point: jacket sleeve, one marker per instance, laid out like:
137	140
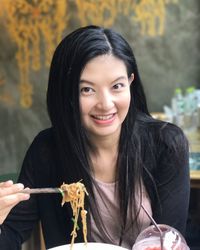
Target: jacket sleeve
18	225
172	180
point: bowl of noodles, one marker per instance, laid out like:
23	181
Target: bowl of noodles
88	246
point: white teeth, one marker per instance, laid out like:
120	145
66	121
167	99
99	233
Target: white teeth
103	117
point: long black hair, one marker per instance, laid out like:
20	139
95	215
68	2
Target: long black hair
69	60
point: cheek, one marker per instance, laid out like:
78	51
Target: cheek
125	102
85	106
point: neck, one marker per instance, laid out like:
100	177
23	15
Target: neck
105	143
104	159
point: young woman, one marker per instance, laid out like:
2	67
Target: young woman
102	134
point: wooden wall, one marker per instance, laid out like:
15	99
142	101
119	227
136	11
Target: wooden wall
163	33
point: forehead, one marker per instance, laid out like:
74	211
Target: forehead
104	66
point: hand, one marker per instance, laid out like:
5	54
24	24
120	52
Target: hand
10	197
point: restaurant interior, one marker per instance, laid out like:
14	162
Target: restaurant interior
165	37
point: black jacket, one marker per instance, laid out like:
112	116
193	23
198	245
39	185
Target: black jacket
40	170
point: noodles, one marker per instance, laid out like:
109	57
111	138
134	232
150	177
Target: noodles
75	194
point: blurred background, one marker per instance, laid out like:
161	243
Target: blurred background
165	37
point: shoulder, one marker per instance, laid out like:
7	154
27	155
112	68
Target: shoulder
160	131
45	136
41	160
173	138
42	144
161	139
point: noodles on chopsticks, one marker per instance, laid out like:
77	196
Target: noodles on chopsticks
75	194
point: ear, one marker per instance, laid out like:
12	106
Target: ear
131	78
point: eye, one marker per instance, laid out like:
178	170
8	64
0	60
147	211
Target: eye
118	86
86	90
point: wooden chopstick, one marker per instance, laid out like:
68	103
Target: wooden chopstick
41	190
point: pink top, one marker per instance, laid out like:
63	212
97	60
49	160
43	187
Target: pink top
109	212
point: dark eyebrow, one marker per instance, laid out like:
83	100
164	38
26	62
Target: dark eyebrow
85	81
117	79
120	78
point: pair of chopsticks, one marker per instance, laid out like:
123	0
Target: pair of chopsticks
41	191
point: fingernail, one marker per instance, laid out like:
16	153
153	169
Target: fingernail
9	182
26	196
20	185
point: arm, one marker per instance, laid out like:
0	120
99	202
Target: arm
172	179
18	225
10	197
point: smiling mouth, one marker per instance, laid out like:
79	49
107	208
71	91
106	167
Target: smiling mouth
103	117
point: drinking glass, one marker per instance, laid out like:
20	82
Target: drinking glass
152	239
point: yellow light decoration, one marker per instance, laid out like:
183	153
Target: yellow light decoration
96	12
36	26
149	14
5	97
31	24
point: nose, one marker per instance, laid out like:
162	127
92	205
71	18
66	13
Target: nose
105	101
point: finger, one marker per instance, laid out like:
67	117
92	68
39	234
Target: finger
8	203
4	190
6	183
5	211
12	200
4	214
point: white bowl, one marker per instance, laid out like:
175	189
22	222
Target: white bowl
89	246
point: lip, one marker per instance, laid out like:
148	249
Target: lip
104	119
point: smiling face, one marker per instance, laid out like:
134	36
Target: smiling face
104	95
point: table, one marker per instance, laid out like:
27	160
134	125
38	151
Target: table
195	178
194	144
